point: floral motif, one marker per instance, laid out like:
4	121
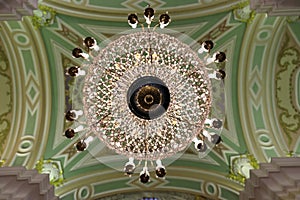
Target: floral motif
53	168
44	16
243	13
241	166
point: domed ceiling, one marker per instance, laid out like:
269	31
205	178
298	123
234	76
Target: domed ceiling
262	97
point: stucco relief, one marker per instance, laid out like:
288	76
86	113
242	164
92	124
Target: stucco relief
286	95
6	98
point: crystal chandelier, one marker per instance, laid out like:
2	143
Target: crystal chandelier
146	95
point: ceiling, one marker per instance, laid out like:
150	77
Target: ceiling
262	96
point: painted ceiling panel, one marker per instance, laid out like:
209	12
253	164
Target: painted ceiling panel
261	87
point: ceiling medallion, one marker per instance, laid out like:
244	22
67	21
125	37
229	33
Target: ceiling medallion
147	95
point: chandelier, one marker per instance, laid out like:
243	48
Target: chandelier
147	95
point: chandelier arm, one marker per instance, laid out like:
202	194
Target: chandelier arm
155	27
143	28
139	164
201	136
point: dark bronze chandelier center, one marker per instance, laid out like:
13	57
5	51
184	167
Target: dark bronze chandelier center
148	97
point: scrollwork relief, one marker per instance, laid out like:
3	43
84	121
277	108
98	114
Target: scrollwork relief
6	98
289	115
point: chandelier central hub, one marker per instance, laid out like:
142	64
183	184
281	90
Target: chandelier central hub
148	97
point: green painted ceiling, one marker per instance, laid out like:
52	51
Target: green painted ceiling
262	95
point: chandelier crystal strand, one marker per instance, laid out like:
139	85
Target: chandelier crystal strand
113	71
